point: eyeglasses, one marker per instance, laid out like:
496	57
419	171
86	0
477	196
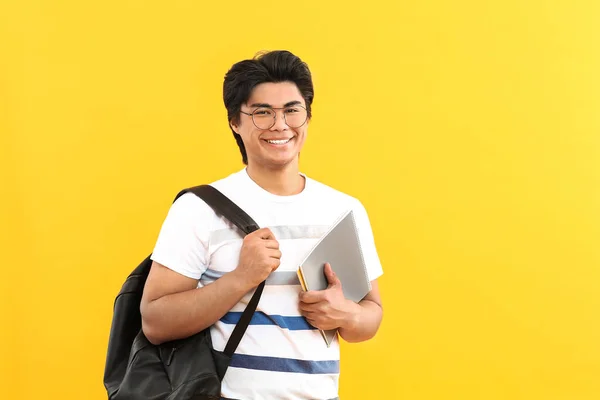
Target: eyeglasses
265	117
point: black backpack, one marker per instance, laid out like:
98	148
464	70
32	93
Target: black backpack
183	369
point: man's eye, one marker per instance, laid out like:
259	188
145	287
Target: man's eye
291	110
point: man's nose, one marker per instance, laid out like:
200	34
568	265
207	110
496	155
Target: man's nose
280	124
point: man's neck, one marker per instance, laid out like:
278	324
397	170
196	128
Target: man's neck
285	181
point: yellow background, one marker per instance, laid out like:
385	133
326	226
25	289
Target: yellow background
469	129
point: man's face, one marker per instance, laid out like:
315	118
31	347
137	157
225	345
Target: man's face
276	146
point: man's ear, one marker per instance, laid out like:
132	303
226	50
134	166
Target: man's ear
234	126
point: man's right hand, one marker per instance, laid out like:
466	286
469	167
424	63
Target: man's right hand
260	255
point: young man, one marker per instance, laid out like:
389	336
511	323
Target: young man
204	271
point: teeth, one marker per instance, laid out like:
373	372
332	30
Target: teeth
278	141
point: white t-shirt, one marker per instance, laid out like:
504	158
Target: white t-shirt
280	356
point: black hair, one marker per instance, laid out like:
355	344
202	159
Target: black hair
273	66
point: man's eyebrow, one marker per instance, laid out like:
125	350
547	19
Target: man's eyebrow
292	103
260	105
288	104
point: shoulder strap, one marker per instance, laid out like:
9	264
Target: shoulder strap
223	206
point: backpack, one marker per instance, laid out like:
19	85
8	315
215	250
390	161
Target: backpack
188	368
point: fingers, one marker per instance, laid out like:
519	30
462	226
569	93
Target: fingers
275	254
309	314
331	276
314	319
276	264
266	236
312	296
311	308
265	233
272	244
275	257
311	321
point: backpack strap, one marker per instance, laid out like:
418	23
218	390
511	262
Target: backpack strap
223	206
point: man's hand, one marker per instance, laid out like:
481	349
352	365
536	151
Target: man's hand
329	309
260	255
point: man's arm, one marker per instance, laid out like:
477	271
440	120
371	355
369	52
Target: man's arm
329	309
173	308
363	323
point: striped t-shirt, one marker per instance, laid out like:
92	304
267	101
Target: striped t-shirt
280	356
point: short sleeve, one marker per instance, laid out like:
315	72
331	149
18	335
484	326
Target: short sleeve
182	243
367	241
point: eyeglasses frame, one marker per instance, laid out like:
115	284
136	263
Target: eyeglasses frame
275	116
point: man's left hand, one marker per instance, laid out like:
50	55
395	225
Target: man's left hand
328	309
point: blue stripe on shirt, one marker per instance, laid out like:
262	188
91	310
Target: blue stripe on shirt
260	318
285	364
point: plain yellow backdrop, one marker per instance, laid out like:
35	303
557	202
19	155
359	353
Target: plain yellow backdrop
468	128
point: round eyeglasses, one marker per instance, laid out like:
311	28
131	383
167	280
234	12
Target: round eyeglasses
264	117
